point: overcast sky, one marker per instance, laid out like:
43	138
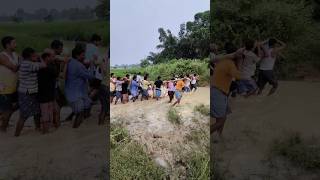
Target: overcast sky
10	6
135	23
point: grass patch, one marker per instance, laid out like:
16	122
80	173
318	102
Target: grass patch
202	109
174	116
39	35
128	159
304	153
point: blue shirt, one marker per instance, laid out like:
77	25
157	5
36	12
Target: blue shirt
76	83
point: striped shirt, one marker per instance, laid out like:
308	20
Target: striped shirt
28	79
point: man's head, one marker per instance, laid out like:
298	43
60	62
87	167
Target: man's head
249	44
96	39
47	57
29	54
9	43
134	77
127	76
159	77
57	46
118	78
78	53
112	74
272	42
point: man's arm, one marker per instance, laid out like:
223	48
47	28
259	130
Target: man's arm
282	46
83	72
5	62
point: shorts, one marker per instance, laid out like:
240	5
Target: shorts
245	86
218	103
118	94
266	76
171	94
80	105
145	93
178	95
187	89
113	93
29	105
158	93
7	101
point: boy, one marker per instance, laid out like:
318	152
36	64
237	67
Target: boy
194	80
171	89
178	93
28	89
145	86
119	83
266	74
225	71
47	81
187	81
124	92
112	87
158	85
247	67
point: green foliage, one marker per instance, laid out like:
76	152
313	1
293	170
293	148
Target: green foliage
174	116
301	152
293	22
40	35
128	159
202	109
191	43
174	67
144	63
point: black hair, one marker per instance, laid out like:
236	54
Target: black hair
188	75
95	37
27	52
145	77
159	77
195	74
272	42
111	74
134	77
56	44
45	55
118	78
230	48
249	44
6	40
127	75
77	51
181	76
139	73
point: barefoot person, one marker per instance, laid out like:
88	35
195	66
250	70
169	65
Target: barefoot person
113	80
224	72
171	89
8	80
47	81
76	86
194	80
178	92
119	83
134	88
158	85
28	89
247	67
266	74
125	91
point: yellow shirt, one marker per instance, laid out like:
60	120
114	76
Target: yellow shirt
145	84
8	78
225	71
180	85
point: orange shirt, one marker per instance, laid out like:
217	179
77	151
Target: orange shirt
225	71
179	85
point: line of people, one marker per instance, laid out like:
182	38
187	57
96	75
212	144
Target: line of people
235	73
32	83
131	87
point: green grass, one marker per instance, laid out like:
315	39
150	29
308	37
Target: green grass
202	109
302	152
174	116
128	159
174	67
39	35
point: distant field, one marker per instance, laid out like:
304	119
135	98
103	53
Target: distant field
38	35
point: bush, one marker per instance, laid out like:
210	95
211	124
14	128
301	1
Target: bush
202	109
174	67
174	116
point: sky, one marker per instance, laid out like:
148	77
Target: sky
10	6
135	23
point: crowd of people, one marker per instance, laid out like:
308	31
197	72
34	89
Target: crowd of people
130	87
235	73
40	84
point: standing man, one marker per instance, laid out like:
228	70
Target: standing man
8	80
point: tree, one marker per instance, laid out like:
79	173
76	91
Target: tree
103	9
145	63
